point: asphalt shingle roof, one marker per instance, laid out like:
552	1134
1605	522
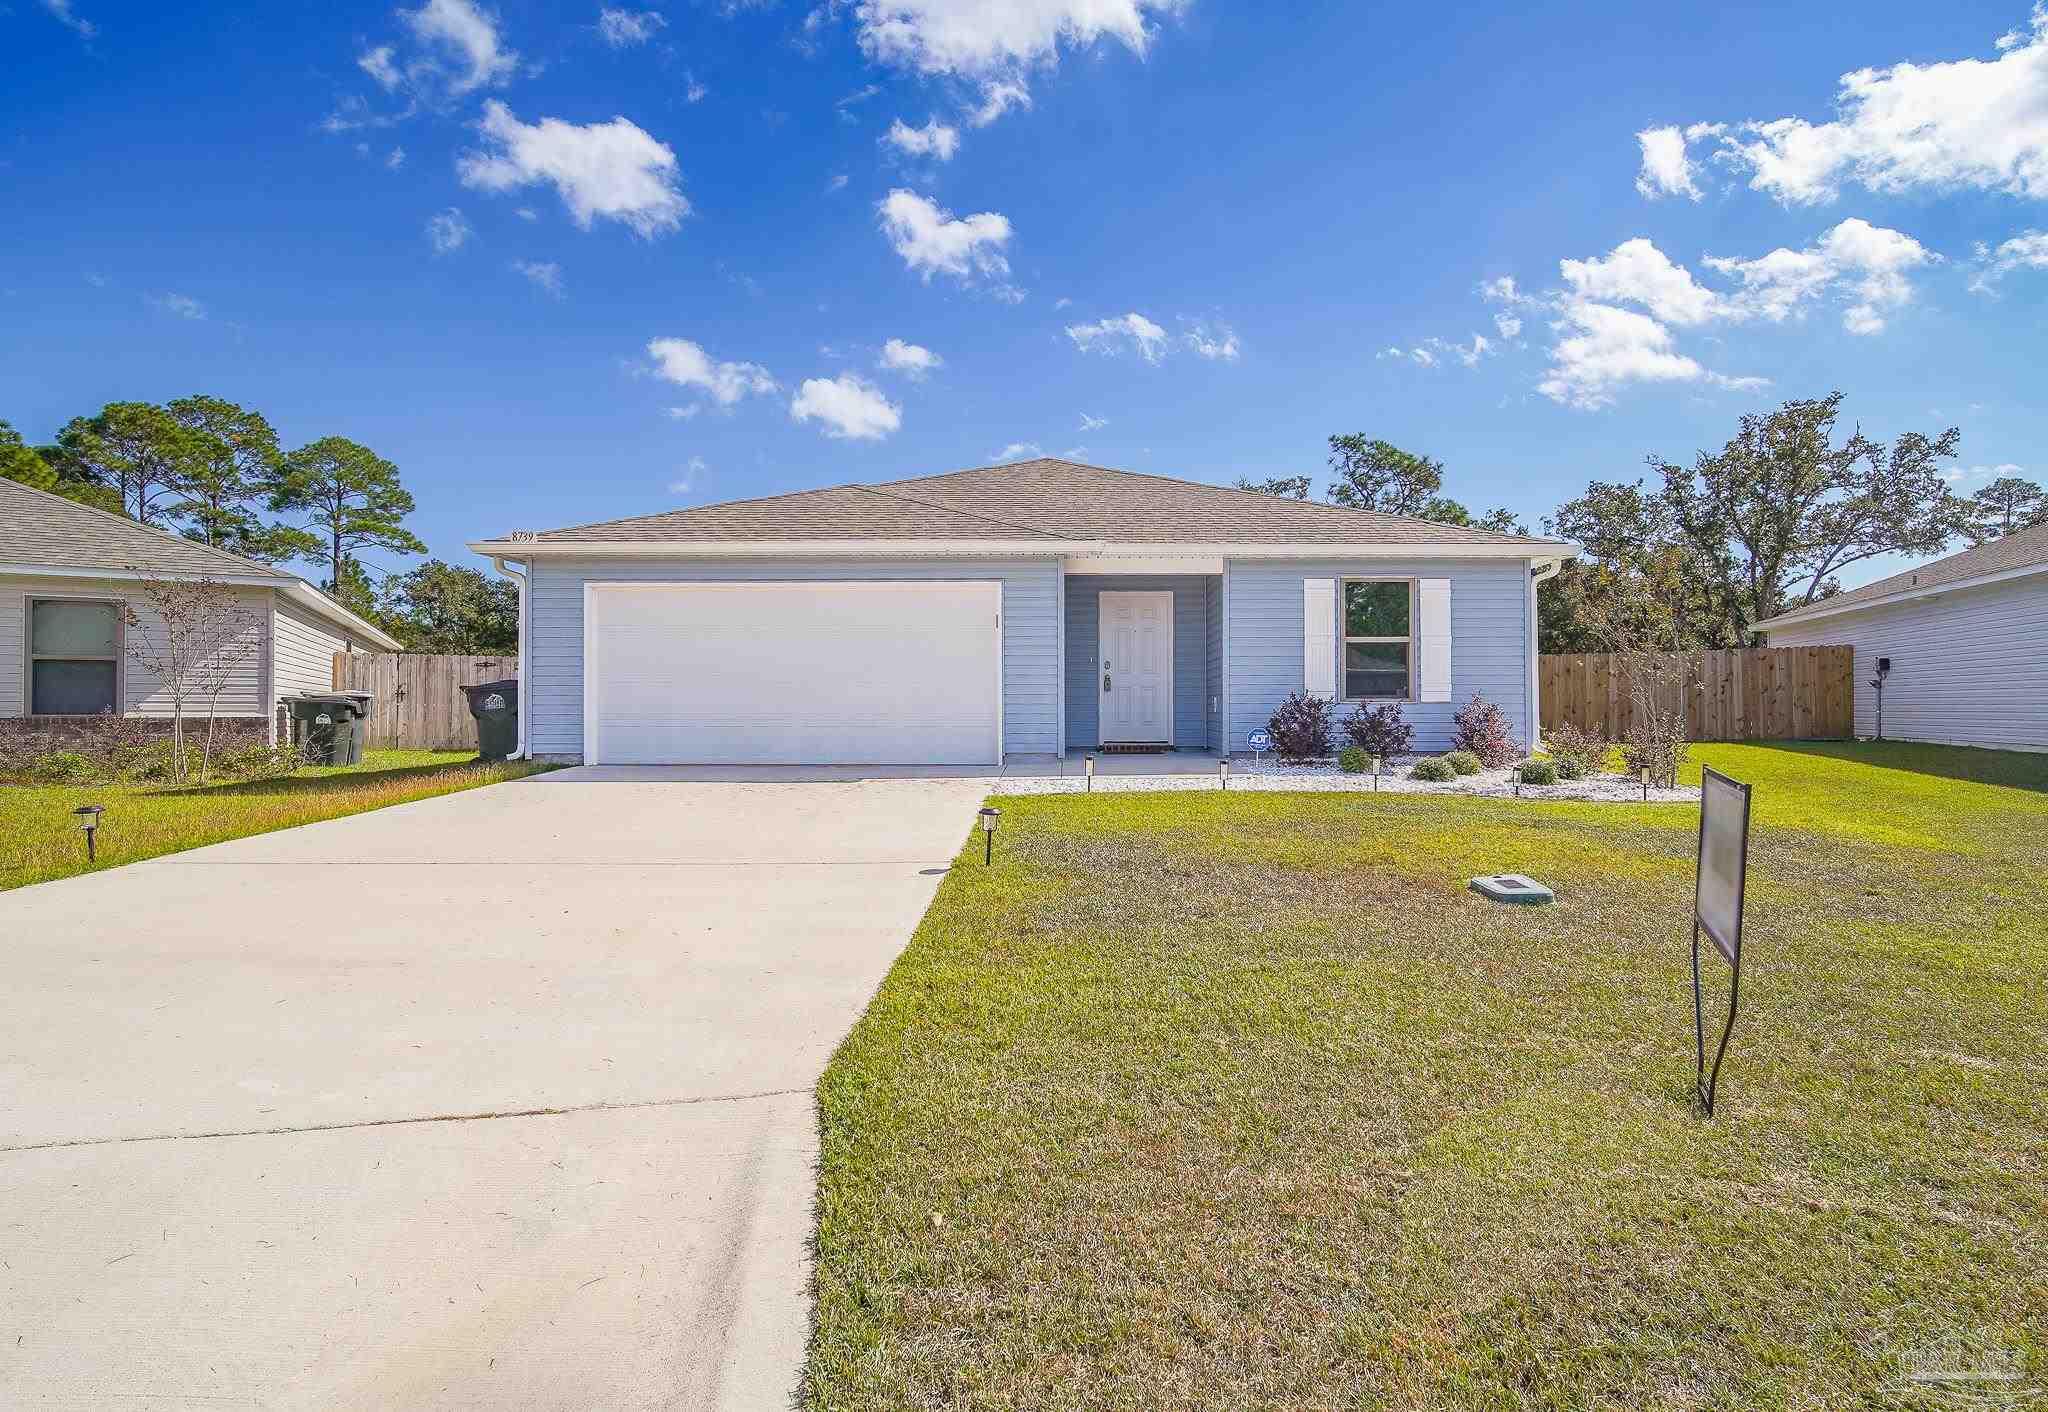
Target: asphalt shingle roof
2020	550
1045	499
37	527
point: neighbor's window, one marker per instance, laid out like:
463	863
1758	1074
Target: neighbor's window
1379	650
73	658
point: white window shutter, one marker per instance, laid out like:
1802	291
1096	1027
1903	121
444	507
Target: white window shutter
1434	640
1319	637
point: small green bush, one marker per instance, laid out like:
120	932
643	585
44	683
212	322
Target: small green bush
1464	762
1585	751
1568	769
1539	772
1351	760
64	767
1435	769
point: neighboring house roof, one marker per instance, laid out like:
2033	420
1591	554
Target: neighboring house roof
46	534
2022	552
1045	502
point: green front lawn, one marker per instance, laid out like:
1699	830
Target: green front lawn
39	838
1242	1101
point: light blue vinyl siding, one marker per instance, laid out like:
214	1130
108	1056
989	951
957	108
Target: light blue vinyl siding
555	655
1489	639
1191	673
1214	637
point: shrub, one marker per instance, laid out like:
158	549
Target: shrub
1539	772
1582	752
64	767
1481	728
1301	727
259	762
1435	769
1381	731
1351	760
1463	761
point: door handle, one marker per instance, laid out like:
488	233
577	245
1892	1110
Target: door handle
1105	683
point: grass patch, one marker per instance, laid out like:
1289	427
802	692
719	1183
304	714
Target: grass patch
1241	1101
41	839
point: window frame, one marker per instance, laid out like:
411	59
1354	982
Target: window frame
30	656
1345	639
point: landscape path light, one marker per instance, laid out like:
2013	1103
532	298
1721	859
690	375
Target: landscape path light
1223	771
988	834
88	816
1646	784
1089	760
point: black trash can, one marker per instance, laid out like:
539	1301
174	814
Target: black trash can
495	704
327	726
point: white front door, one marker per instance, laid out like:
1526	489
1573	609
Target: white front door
1136	636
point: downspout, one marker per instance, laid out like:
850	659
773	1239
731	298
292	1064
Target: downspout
1537	575
525	686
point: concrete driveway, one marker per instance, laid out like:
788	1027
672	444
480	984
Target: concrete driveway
502	1099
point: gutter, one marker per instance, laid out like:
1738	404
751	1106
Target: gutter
519	749
1537	575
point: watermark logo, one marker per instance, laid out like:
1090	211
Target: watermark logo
1952	1373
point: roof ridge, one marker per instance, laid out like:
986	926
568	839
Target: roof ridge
971	514
1481	535
130	522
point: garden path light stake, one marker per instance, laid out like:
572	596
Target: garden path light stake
988	835
88	816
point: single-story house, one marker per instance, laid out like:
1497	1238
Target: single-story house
68	575
1034	608
1962	644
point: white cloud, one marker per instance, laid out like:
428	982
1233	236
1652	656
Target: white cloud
1868	263
838	182
932	240
858	96
379	64
1089	423
1112	334
1603	347
623	28
911	359
1507	325
1016	451
1666	170
1964	124
998	96
1213	343
686	364
2025	251
76	23
1432	352
846	407
183	305
614	170
689	477
396	159
683	414
448	231
544	273
466	33
1638	272
693	91
934	139
978	39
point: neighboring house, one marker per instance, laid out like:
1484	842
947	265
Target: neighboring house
1966	637
67	571
1026	609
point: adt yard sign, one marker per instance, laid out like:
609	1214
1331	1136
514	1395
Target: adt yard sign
1259	741
1717	909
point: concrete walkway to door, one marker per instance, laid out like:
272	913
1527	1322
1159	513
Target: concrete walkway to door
496	1099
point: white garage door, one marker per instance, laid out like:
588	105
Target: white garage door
793	673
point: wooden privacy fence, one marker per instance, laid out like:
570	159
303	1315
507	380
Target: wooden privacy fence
419	703
1749	693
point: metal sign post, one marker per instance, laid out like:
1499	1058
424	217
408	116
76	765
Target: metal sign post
1260	742
1717	911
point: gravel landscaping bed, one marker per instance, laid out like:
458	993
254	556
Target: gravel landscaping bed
1394	778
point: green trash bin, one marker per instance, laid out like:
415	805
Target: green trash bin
327	726
495	704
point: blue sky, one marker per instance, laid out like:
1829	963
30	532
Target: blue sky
564	265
